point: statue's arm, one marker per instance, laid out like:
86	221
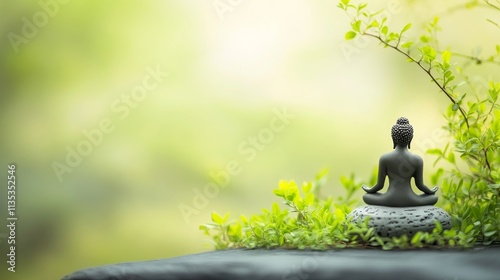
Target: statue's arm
382	172
419	178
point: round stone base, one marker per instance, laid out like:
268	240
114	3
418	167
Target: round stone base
396	221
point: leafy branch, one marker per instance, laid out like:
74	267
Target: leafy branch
427	67
365	24
472	196
478	60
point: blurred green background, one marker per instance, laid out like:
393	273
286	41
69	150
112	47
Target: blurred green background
67	68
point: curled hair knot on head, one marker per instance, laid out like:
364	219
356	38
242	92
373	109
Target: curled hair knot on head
402	133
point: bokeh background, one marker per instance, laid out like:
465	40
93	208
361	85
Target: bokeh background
231	66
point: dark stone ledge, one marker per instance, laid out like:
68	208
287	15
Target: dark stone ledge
478	263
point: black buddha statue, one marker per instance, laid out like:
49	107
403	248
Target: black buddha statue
400	166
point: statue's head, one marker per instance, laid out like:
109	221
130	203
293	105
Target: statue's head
402	133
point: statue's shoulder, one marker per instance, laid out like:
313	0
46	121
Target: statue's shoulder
416	158
387	156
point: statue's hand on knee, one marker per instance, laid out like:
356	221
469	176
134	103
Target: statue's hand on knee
368	189
434	190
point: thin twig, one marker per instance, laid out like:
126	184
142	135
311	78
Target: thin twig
487	161
428	71
476	59
492	5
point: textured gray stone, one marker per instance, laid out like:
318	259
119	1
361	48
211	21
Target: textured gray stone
353	264
396	221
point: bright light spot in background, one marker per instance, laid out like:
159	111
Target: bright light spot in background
258	39
264	51
252	47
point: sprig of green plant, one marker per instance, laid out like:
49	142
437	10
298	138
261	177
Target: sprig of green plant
478	60
307	222
316	223
436	65
471	194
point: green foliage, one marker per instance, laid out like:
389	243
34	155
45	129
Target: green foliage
310	221
306	222
471	183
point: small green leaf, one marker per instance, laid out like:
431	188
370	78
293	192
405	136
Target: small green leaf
356	25
216	218
408	26
373	24
494	186
307	187
203	228
276	209
339	214
362	6
226	217
455	107
309	199
283	185
451	158
446	57
299	203
292	192
436	151
322	175
407	45
435	21
465	190
393	36
234	230
489	233
429	53
384	30
469	228
244	219
438	228
350	35
279	192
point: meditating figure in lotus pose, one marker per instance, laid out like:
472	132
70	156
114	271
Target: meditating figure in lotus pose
400	166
